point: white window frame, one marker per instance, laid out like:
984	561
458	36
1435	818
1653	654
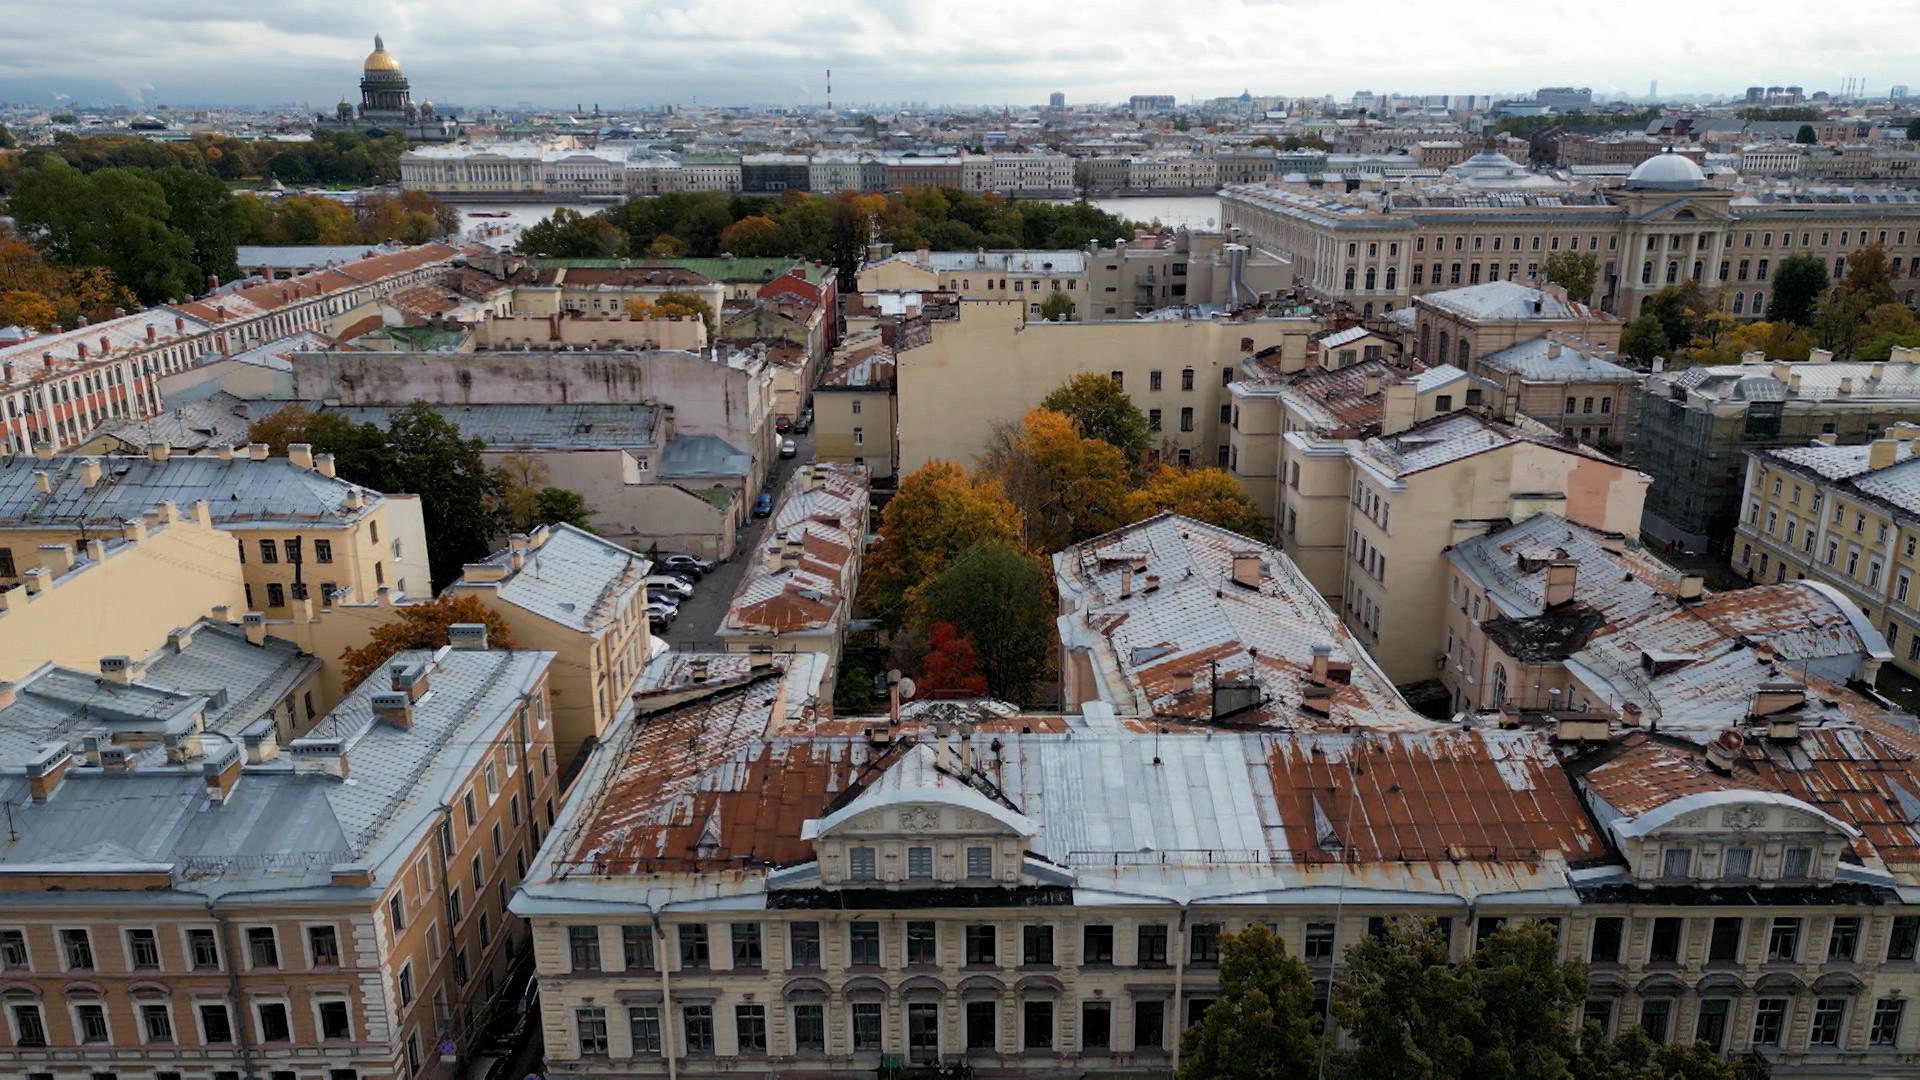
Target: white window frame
317	1000
73	1018
306	942
140	1007
246	936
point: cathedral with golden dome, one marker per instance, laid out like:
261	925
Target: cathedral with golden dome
386	105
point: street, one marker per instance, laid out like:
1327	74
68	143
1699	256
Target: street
700	614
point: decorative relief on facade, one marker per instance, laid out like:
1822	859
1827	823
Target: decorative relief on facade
919	819
1742	817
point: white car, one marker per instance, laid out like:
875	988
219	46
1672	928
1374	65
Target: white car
669	583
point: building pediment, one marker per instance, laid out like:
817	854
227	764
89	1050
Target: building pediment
920	814
1760	814
1692	209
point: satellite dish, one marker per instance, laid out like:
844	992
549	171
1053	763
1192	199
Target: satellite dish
893	676
906	689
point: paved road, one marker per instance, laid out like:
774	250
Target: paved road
700	614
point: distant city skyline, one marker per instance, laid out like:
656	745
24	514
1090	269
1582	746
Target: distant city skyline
623	53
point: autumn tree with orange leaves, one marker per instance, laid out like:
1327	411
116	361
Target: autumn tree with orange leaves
422	626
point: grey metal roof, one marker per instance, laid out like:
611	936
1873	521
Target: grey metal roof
573	578
702	456
205	423
302	256
1503	300
1544	360
216	659
561	427
241	493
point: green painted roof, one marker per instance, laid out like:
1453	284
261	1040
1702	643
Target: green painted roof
715	269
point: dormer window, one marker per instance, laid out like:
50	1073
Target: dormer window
1798	861
1678	863
920	862
1738	864
860	864
979	862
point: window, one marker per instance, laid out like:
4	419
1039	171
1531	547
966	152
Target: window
274	1024
697	1022
215	1027
334	1020
1783	942
143	949
1039	1025
1664	947
1711	1026
1797	862
269	551
860	864
859	437
1153	381
1152	944
13	950
1119	378
263	949
405	981
1828	1015
981	945
1678	862
78	950
1153	419
583	947
803	944
920	862
1203	943
91	1021
323	551
1887	1013
156	1024
643	1022
1605	947
1844	939
863	944
866	1025
636	947
1096	1025
1903	940
203	950
1598	1011
276	594
1186	379
396	914
1096	945
750	1028
29	1029
1036	944
1186	419
1654	1014
1723	945
1319	942
922	942
982	1017
1149	1024
693	945
1769	1021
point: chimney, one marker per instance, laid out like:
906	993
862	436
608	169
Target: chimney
395	709
1793	383
132	530
301	455
1126	582
117	670
1553	349
1776	697
105	347
257	451
1322	655
1630	714
1182	681
114	757
6	692
1880	452
355	500
96	551
44	451
42	483
1846	384
222	771
1246	569
45	769
1370	383
323	464
1400	411
56	558
262	741
224	453
158	451
82	347
35	578
482	573
1722	751
255	625
1561	575
89	473
467	635
408	679
179	638
179	324
1820	356
151	333
1691	587
323	757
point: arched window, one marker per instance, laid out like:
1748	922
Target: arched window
1463	354
1646	273
1393	272
1426	339
1738	299
1366	312
1371	272
1349	279
1445	342
1673	273
1757	307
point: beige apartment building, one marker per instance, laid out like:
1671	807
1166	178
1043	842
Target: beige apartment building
1458	326
986	365
1371	475
1567	383
1015	278
1845	516
582	598
301	530
1175	267
326	907
854	420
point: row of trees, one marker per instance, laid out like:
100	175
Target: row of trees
1855	318
831	229
331	157
969	549
159	234
1410	1012
465	502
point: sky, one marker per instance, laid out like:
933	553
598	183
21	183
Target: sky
989	52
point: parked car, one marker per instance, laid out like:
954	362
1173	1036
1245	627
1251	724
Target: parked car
782	424
763	505
510	1027
804	422
680	560
788	448
659	622
663	598
672	583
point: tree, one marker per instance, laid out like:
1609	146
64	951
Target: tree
1797	284
1683	311
1805	135
1066	486
1913	129
1868	275
422	626
1261	1026
34	292
114	218
459	495
1101	410
201	209
1633	1056
1839	320
937	513
1574	271
6	138
666	246
558	506
1002	600
1776	340
1887	325
1057	307
281	428
754	236
567	234
523	475
1204	494
951	664
1643	339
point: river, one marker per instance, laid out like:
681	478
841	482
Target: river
1193	211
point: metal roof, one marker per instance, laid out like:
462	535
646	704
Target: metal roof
569	576
701	456
241	493
1548	359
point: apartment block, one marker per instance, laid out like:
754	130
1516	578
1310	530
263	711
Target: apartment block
854	406
1567	383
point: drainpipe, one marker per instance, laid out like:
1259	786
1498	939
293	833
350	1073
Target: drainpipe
1179	981
666	998
233	987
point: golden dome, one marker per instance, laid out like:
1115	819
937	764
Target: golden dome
380	59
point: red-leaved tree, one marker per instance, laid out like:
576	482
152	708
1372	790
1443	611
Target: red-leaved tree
952	665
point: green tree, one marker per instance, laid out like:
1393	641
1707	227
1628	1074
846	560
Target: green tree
1100	409
1643	339
937	513
1574	271
1261	1026
201	208
1805	136
1683	311
558	506
1797	284
460	496
115	218
1057	307
1868	275
567	234
6	138
1003	601
1913	129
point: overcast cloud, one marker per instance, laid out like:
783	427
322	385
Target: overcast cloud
623	52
